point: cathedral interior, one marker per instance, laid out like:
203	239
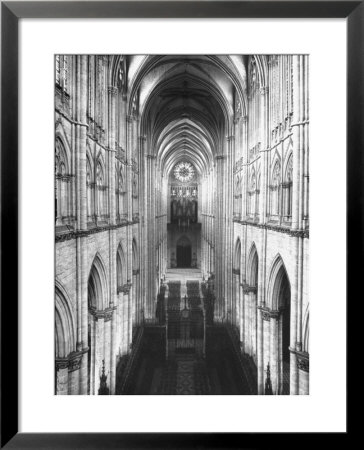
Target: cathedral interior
181	224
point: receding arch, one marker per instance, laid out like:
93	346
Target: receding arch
279	285
252	266
279	300
306	331
135	253
97	285
64	324
121	267
237	254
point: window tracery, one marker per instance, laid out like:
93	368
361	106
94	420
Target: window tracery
62	184
287	186
275	191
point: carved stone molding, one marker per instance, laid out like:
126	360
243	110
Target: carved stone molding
268	313
247	288
85	233
303	363
236	271
279	229
108	314
125	289
62	363
75	361
112	90
135	271
238	165
220	157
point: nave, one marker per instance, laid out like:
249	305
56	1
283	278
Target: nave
185	355
182	224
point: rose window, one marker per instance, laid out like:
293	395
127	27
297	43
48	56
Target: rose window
184	172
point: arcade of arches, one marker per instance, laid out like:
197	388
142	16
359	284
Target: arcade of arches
182	224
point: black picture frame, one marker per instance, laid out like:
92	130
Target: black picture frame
11	12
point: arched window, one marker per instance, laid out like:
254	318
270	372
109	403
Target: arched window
251	195
90	191
287	186
120	192
257	197
100	190
237	198
275	191
61	185
135	196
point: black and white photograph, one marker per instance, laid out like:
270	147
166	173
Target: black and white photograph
182	220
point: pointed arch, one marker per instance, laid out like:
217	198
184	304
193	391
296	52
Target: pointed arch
279	286
121	267
275	187
252	186
62	141
252	266
62	183
288	186
237	255
135	255
262	68
97	285
65	331
306	331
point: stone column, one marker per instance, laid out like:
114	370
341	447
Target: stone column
99	348
244	120
108	354
151	256
260	353
304	372
264	178
81	217
297	125
274	351
228	222
61	376
266	343
220	250
112	92
74	373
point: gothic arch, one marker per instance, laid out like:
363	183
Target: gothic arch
121	267
62	138
262	68
97	285
62	157
65	341
306	331
237	255
278	285
100	162
276	165
252	266
135	255
288	165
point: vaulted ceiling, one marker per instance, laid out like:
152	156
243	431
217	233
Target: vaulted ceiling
186	104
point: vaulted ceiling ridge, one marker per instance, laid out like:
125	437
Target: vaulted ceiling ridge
211	87
182	132
192	114
186	154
